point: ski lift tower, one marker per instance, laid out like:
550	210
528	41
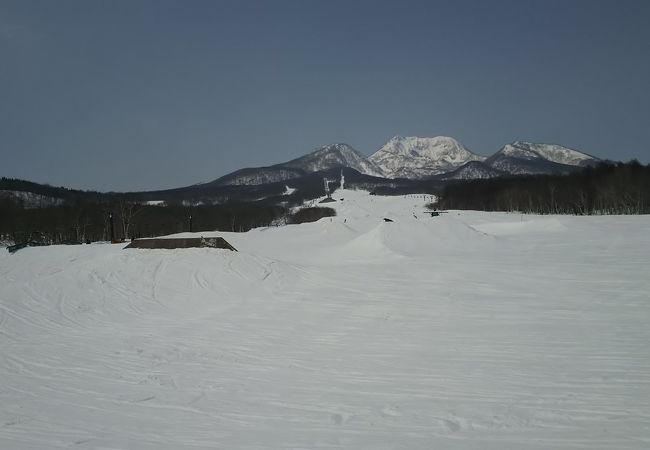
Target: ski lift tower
328	192
327	182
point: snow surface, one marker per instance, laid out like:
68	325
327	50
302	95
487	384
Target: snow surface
288	190
464	331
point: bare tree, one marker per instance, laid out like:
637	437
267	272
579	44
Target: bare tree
128	210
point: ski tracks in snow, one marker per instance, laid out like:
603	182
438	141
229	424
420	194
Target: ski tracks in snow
344	333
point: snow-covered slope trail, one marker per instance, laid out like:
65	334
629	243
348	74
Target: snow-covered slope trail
465	331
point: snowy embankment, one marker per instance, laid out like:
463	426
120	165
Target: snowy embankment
465	331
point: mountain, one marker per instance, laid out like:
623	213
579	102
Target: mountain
258	175
529	158
335	155
472	170
552	152
323	158
415	157
403	164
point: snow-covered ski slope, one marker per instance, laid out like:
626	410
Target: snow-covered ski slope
465	331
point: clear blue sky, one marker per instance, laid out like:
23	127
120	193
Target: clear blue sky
133	95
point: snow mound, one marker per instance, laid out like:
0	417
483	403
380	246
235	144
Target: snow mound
523	226
414	238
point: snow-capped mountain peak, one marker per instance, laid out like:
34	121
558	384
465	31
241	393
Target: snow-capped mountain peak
421	157
335	155
323	158
522	157
417	157
552	152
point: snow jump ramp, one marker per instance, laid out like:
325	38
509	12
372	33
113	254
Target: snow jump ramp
172	243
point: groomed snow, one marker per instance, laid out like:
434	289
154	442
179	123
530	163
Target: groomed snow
464	331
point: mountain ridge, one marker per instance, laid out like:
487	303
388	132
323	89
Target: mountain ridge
521	157
415	160
420	158
322	158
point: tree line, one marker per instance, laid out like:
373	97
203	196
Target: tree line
91	222
607	188
78	222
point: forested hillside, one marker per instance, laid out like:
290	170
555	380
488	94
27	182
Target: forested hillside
621	188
